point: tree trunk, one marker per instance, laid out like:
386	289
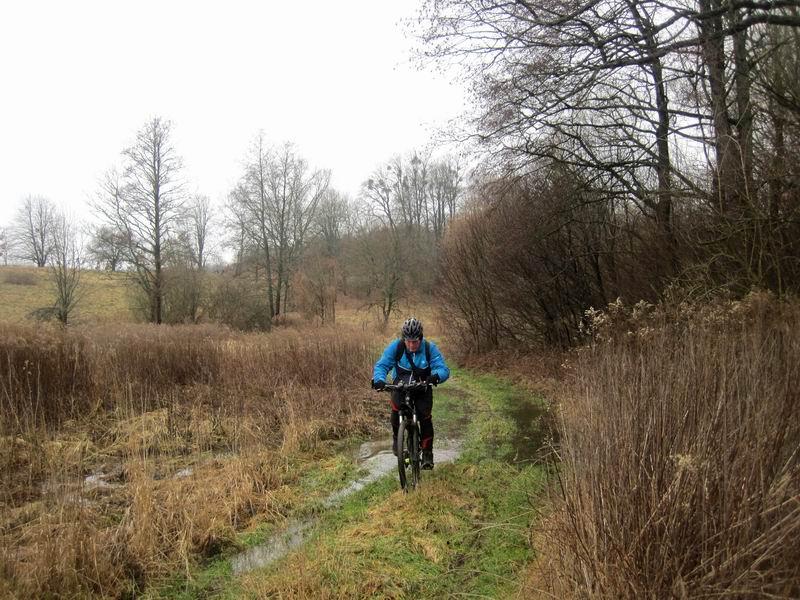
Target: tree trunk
726	181
744	122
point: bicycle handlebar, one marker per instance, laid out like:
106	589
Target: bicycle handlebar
403	387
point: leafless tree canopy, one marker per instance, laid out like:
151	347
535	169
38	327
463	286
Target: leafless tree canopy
635	96
33	230
414	193
66	264
199	223
275	204
144	204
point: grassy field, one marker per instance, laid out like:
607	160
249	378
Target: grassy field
140	458
129	452
106	296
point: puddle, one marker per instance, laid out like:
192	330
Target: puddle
278	546
376	456
377	459
98	480
533	429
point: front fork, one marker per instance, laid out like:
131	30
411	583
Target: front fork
413	424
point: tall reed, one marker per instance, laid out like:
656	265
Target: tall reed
681	454
48	374
145	403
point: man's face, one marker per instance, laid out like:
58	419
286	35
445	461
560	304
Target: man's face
412	345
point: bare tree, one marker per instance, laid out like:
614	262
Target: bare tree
66	264
200	218
628	92
332	220
316	282
279	195
144	205
33	229
445	187
379	192
414	193
107	248
250	204
295	193
381	271
237	230
5	244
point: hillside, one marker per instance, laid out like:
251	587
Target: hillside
24	289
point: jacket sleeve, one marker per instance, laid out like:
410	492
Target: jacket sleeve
438	366
385	364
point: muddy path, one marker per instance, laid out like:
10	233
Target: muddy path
465	530
373	460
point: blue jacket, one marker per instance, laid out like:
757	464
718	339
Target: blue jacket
387	362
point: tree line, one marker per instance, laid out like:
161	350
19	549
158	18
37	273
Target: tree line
634	148
284	240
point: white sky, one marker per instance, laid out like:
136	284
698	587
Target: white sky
79	78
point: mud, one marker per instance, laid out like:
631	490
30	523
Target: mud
533	431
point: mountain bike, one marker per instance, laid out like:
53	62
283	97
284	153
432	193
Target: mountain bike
409	452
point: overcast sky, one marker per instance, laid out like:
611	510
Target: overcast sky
80	78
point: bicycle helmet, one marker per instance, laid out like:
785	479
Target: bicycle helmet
412	329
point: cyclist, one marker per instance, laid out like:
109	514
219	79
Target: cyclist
413	359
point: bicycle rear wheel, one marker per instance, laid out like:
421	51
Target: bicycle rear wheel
402	432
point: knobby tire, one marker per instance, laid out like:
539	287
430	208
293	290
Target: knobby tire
401	462
413	451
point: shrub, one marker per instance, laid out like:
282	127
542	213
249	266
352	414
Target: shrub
240	303
20	278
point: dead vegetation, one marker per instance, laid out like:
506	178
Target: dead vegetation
129	453
680	438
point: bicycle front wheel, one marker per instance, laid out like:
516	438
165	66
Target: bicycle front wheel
402	432
413	451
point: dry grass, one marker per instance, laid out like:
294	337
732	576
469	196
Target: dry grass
17	277
106	295
185	434
48	375
353	312
681	454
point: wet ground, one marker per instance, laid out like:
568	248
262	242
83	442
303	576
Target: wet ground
534	429
376	458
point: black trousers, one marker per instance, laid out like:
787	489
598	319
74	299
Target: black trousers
423	401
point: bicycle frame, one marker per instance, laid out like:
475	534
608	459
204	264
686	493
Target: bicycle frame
408	434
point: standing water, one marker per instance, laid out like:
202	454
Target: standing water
374	456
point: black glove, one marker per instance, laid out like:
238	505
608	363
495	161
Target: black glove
432	379
378	385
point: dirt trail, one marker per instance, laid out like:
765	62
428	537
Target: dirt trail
465	531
